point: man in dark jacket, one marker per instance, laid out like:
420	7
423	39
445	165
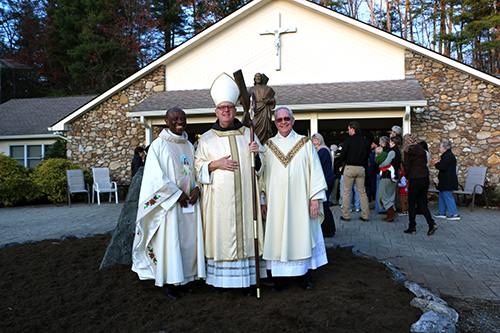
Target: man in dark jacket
417	173
355	152
448	182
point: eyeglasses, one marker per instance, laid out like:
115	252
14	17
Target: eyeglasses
279	120
224	107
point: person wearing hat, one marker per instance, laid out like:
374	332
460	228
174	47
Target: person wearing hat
168	243
223	167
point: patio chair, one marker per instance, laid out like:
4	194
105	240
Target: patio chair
474	184
103	184
76	184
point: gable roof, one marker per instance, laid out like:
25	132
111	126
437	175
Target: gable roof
250	8
32	116
395	93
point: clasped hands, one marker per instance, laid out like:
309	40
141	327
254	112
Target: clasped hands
193	197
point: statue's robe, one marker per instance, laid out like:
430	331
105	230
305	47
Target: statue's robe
168	245
262	119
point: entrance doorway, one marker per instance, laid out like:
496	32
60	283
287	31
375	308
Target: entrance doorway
334	131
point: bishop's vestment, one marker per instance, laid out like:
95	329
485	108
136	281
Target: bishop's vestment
227	208
168	244
292	177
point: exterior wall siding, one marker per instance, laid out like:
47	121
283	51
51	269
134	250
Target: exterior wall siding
460	107
104	137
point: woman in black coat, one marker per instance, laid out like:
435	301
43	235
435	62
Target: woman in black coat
448	182
417	173
328	225
138	160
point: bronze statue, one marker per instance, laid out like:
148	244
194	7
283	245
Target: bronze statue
265	103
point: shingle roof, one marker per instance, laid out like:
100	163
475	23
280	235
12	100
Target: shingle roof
324	93
30	116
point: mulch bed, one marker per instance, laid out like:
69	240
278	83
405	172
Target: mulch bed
56	286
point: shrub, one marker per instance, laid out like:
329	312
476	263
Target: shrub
49	177
56	150
15	186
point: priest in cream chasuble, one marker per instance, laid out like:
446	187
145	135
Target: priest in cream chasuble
294	184
168	245
223	167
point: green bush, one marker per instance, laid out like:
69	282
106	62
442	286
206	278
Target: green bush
56	150
49	177
15	186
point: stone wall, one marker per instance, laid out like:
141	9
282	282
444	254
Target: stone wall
104	137
460	107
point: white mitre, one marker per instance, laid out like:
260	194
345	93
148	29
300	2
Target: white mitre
224	89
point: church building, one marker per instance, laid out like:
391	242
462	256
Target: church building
328	68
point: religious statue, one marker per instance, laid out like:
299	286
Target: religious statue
262	120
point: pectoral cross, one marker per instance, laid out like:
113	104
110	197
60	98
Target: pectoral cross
277	38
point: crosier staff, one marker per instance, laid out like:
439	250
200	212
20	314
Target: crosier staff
246	100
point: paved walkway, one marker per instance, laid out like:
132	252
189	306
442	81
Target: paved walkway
461	259
35	223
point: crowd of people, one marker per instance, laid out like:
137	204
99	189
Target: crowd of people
234	210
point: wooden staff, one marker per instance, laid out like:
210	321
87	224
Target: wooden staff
246	100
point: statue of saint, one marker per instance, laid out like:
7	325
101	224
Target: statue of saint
263	125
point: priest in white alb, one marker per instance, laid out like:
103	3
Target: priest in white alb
168	245
293	187
223	167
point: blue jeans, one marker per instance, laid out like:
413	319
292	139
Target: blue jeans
447	202
357	204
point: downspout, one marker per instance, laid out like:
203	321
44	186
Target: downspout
149	131
407	120
313	123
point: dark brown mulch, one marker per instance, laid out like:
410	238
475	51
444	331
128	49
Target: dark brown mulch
56	286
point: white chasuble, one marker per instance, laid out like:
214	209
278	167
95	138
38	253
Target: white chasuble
292	177
227	208
168	244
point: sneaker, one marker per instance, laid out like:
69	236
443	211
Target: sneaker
410	231
439	216
357	210
432	230
454	218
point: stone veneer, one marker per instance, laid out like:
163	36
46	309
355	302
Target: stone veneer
460	107
104	137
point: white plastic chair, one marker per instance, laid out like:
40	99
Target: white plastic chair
76	184
103	184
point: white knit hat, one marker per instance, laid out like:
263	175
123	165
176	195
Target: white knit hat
224	89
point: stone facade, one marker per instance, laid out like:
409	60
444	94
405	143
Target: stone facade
104	137
460	107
